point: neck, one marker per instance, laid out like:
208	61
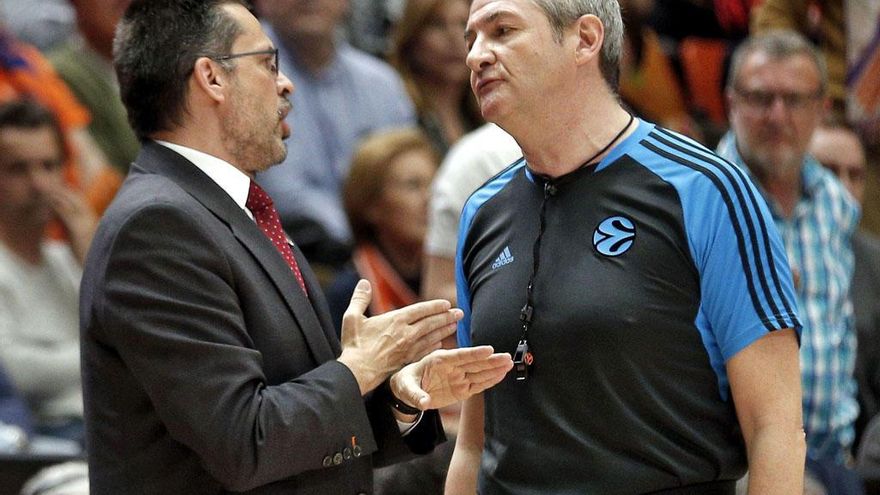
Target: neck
444	98
405	258
555	147
784	188
24	241
201	137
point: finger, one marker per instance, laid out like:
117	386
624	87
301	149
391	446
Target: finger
445	322
450	342
411	392
487	374
360	300
487	381
465	355
420	310
423	344
422	349
500	360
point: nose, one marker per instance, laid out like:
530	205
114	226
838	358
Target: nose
777	111
285	85
41	178
479	56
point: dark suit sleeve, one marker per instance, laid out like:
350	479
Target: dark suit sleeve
421	440
171	310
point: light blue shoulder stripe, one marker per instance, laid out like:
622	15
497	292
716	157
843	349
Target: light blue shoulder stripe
471	207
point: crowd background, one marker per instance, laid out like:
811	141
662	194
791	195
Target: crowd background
382	104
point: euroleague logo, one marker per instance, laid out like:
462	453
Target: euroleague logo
614	236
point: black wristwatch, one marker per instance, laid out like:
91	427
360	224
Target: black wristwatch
398	404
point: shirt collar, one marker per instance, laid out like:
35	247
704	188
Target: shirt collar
232	180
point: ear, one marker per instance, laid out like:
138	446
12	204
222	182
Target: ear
372	213
728	100
591	34
210	78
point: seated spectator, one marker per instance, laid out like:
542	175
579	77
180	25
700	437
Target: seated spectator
25	73
428	50
840	150
85	63
342	94
386	200
39	279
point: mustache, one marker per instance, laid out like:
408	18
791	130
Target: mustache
285	107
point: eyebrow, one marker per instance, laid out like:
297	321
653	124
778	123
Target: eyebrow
490	18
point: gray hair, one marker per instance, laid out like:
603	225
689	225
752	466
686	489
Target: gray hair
561	13
778	44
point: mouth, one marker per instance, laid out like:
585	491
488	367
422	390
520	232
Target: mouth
486	84
282	119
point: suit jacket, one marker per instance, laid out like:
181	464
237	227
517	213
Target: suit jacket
865	294
205	367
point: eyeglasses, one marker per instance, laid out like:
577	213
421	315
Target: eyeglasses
271	51
763	100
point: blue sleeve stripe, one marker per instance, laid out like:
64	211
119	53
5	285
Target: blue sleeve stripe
760	257
473	204
712	158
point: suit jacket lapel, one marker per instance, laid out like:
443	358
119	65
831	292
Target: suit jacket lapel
319	304
158	159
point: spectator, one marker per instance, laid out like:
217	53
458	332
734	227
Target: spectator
386	200
25	73
428	50
840	150
39	279
341	95
775	92
85	64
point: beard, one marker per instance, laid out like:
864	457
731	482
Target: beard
253	138
774	160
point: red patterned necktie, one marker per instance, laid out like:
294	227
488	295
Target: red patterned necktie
260	204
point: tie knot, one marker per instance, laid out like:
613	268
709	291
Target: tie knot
258	199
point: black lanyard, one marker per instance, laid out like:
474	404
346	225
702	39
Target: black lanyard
523	357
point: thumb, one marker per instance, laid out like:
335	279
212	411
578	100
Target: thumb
360	299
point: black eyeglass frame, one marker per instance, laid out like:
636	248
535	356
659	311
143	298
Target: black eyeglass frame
765	99
269	51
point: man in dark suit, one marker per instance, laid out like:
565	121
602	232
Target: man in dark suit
209	360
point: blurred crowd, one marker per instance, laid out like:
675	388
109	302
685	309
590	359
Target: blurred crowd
387	143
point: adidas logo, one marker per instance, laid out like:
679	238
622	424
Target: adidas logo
505	258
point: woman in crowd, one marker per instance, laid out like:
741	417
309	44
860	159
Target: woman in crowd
386	200
429	51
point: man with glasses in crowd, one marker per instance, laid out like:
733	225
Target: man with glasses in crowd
776	94
209	360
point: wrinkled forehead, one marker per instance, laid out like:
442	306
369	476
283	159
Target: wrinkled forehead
486	13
